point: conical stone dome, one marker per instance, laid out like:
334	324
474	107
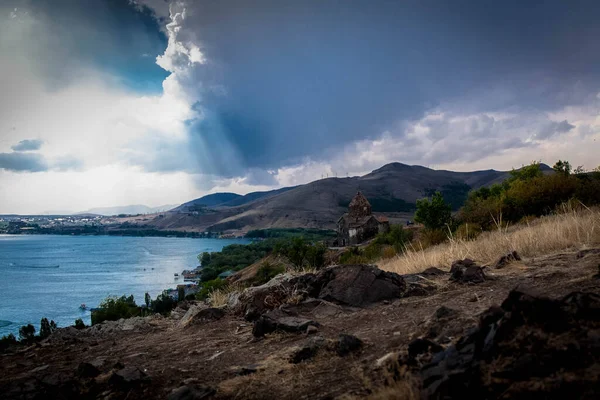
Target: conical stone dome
359	206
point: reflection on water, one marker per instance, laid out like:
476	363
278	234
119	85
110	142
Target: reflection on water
50	276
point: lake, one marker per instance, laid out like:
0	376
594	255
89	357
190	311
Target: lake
50	276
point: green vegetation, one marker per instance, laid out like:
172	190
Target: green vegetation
209	286
385	245
310	234
7	341
114	308
434	213
27	333
234	257
301	253
454	193
266	272
79	324
530	193
46	328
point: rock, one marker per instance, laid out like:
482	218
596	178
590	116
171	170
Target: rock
507	259
311	329
209	314
433	271
128	376
524	349
445	312
466	271
359	285
191	392
421	346
583	253
247	370
597	276
474	298
347	344
90	369
278	320
255	301
308	350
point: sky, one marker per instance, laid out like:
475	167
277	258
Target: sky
118	102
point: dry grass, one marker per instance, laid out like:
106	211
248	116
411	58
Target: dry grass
571	229
220	297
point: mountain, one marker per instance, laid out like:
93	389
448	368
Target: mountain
392	190
130	210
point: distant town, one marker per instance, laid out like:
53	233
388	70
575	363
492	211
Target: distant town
88	225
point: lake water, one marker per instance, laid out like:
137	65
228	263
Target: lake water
50	276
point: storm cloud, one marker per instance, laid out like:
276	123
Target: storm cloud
276	82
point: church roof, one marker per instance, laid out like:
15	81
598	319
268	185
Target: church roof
359	206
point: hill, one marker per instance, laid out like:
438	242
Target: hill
130	210
392	190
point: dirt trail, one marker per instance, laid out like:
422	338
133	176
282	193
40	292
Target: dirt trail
223	359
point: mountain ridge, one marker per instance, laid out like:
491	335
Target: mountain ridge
392	189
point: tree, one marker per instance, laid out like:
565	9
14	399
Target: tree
434	213
79	324
147	299
562	167
579	170
26	333
525	173
46	328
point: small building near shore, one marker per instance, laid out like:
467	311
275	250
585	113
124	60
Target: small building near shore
359	224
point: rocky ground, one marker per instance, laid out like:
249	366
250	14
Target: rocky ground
521	329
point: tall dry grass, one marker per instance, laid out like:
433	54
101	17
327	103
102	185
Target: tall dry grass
569	229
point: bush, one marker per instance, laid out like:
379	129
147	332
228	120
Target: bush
27	333
46	328
79	324
301	253
266	272
468	231
432	237
353	255
163	303
209	287
114	308
434	213
397	237
7	341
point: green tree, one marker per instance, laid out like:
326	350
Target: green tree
434	213
147	299
562	167
79	324
524	173
26	333
46	328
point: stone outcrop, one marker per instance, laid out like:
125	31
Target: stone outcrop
518	350
507	259
466	271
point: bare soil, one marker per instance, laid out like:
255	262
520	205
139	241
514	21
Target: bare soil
224	357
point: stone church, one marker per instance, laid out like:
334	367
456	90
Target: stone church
359	224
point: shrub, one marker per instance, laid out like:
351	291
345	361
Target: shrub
210	286
266	272
163	303
434	213
46	328
431	237
353	255
26	333
468	231
114	308
7	341
79	324
396	237
301	253
388	252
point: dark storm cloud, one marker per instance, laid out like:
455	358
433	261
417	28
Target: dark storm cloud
554	128
68	36
23	162
28	145
285	80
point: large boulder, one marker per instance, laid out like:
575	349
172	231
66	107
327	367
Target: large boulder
358	285
352	285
